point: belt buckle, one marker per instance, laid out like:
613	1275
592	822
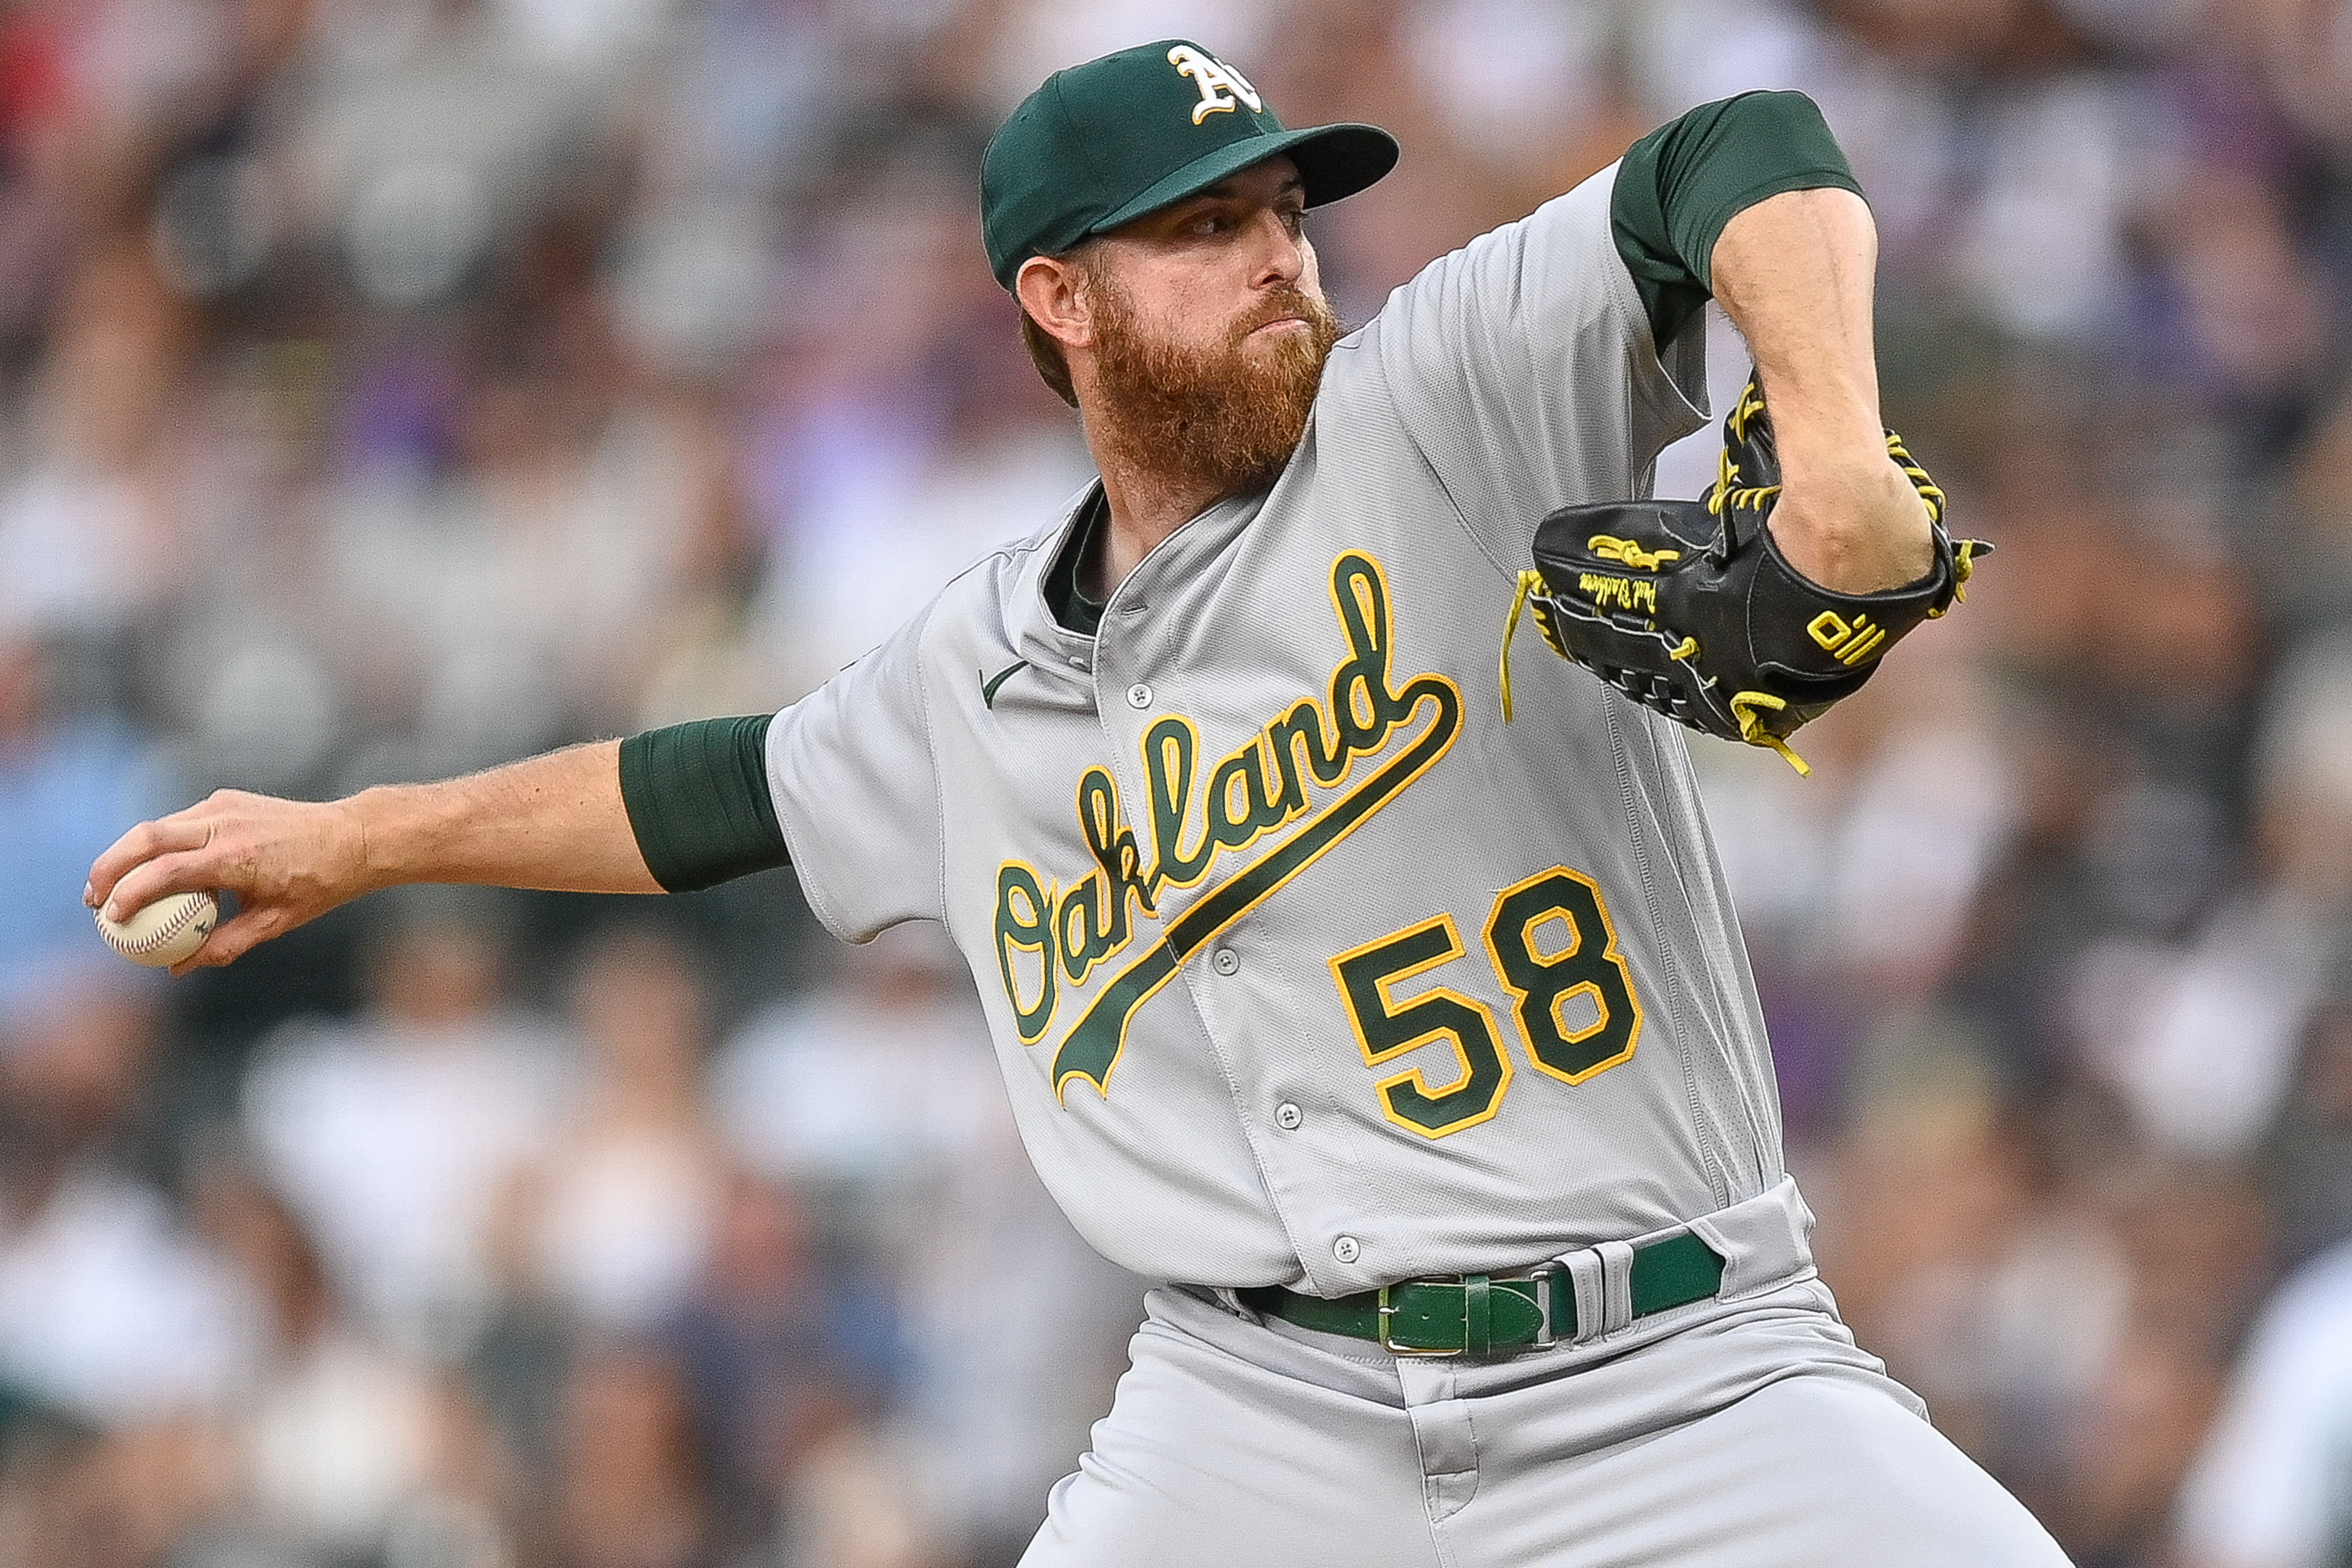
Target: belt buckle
1388	1312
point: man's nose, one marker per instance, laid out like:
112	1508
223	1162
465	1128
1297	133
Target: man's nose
1282	257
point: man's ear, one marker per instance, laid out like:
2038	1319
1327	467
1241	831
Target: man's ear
1053	293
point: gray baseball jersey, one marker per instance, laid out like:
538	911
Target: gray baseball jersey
1302	965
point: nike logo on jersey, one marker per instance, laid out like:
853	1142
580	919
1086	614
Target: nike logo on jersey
987	686
1050	939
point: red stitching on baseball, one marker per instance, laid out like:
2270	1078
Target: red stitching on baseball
186	916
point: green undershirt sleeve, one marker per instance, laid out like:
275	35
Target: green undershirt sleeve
1677	188
698	800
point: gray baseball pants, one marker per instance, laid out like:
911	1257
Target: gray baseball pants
1741	1433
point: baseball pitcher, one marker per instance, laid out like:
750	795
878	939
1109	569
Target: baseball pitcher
1414	1047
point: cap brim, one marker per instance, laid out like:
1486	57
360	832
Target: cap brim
1334	161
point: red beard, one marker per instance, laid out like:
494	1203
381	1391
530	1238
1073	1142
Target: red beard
1224	419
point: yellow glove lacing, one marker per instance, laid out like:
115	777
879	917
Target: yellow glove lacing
1929	491
1752	730
1529	581
1750	403
1727	488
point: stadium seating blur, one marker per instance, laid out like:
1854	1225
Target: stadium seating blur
391	388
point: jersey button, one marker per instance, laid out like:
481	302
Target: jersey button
1138	696
1347	1249
1287	1117
1225	961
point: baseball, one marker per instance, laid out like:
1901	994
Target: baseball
165	932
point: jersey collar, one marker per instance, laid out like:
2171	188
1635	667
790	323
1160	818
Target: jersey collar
1053	568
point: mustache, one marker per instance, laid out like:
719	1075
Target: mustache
1289	303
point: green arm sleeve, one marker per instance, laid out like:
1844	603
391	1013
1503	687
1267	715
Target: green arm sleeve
698	800
1677	188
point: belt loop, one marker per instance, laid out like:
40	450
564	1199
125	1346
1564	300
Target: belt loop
1551	1310
1477	1315
1617	1285
1584	1274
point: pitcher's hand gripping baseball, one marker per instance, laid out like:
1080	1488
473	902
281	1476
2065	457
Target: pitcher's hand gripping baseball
1689	607
287	862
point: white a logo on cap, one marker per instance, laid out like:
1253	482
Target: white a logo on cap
1219	83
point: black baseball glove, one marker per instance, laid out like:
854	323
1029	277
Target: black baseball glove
1688	608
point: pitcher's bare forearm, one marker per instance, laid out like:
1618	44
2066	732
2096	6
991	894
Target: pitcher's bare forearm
553	822
1795	274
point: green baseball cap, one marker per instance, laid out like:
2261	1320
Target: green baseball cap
1106	142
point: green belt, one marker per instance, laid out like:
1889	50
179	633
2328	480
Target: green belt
1479	1315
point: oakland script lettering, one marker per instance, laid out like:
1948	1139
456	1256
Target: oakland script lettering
1050	939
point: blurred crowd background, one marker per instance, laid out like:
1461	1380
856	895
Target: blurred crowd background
391	388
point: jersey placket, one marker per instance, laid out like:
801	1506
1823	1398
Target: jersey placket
1284	1107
